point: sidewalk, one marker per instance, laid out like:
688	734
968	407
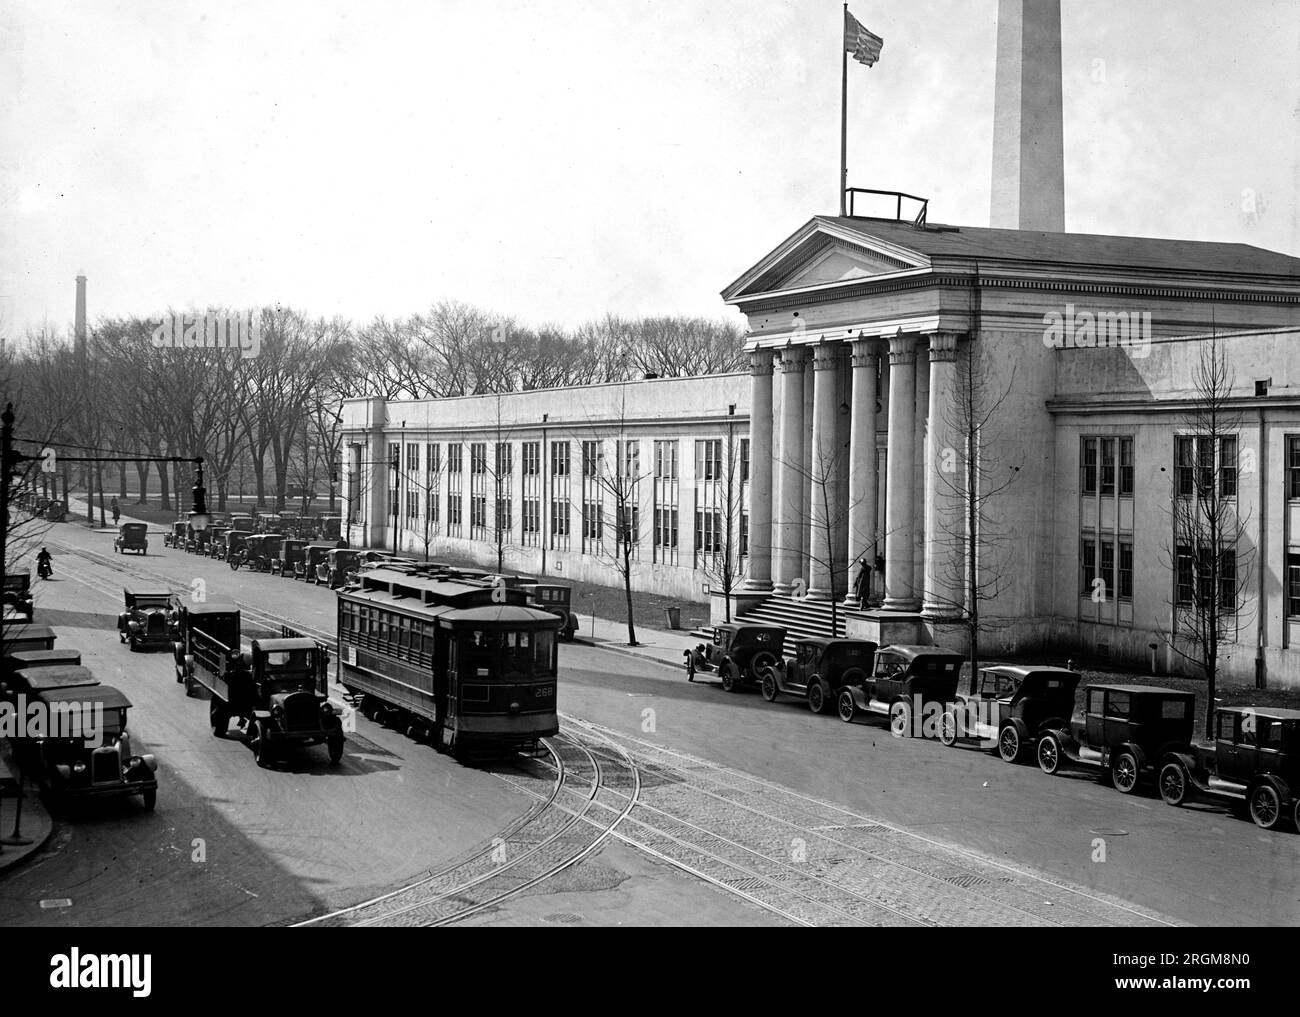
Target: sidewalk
658	645
37	826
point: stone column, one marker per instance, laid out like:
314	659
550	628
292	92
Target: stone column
825	485
943	483
900	524
787	503
805	509
862	464
921	447
759	579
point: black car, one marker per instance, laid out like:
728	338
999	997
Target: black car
18	594
1012	706
147	618
819	669
907	684
741	653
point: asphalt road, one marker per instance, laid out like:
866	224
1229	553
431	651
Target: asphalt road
284	844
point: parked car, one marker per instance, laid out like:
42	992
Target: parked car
1254	760
1122	732
55	510
132	537
1012	707
907	682
76	766
291	554
146	621
312	556
18	594
30	680
740	652
338	566
238	521
819	669
216	539
175	537
328	527
264	552
22	659
233	544
17	637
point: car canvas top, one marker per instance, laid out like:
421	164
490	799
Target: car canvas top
45	679
1273	712
1143	689
912	650
98	695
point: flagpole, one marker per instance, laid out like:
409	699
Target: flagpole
844	112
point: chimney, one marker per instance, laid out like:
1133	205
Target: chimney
81	315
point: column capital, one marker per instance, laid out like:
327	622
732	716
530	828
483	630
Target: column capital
760	362
793	359
826	356
943	347
901	348
864	352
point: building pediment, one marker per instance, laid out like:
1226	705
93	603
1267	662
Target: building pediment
824	254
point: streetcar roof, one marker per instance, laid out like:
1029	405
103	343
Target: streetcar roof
281	645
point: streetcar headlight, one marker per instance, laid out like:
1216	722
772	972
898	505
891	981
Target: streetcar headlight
79	767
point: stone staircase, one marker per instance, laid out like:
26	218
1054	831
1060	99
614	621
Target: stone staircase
798	618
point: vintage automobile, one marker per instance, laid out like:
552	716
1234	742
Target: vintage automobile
31	680
233	545
15	638
55	510
819	669
90	755
147	618
132	537
338	566
312	556
269	522
175	537
290	557
907	683
328	527
239	521
266	551
18	594
555	598
1013	705
22	659
215	538
1122	731
741	652
1254	760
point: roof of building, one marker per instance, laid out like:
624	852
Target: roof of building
938	240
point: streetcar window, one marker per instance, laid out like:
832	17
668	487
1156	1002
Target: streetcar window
543	650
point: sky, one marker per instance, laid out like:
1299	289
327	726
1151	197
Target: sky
556	161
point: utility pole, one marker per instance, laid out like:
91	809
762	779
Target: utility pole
7	464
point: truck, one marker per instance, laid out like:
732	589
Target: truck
278	688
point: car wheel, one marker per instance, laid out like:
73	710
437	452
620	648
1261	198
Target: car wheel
846	707
761	662
1010	746
770	689
150	798
261	745
730	677
1265	806
1124	772
816	697
948	728
900	720
1049	754
1173	783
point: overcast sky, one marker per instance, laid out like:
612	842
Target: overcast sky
559	160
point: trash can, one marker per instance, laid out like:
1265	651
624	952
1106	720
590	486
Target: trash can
674	617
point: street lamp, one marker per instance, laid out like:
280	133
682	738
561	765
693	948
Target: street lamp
199	518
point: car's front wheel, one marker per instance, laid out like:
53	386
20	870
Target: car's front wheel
730	676
948	728
817	697
846	707
1124	772
1173	783
1265	806
770	688
900	720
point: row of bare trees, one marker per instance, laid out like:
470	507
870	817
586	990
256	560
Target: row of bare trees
273	418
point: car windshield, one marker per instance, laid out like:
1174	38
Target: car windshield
996	684
279	661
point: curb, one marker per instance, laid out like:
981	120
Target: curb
34	814
629	651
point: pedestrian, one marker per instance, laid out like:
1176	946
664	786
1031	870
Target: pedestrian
862	589
117	512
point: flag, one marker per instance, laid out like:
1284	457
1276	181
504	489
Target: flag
864	46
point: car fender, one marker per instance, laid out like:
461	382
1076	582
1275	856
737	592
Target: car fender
121	622
1022	729
1138	754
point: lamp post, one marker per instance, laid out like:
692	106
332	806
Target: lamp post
199	517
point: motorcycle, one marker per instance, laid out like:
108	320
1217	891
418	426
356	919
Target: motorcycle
44	569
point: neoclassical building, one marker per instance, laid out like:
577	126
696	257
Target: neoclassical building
873	345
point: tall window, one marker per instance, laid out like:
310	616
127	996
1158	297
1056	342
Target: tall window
530	459
455	492
1088	466
1126	467
1125	570
1293	466
478	457
503	518
394	478
592	460
560	496
629	520
1108	465
709	498
1088	563
665	502
1201	468
433	471
1293	585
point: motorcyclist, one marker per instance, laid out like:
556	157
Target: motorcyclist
44	563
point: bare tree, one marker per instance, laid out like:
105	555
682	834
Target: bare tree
1211	558
723	558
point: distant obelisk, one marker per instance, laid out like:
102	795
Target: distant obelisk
1028	144
80	321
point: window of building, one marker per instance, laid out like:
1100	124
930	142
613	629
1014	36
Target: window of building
559	458
478	517
503	517
1126	467
1107	570
505	459
665	497
1293	585
532	521
744	460
590	526
1088	563
454	457
559	524
1228	467
1185	584
531	454
1184	460
478	457
590	458
1125	577
1108	466
1088	467
1293	466
431	463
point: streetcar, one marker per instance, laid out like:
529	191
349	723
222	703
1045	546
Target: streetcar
461	663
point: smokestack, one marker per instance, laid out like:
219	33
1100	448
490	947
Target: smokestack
81	315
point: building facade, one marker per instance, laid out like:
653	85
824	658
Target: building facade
893	370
